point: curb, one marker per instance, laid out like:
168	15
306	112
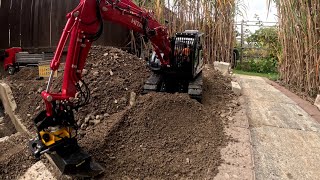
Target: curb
236	88
246	107
10	107
223	67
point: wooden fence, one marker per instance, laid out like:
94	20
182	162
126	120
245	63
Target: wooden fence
38	24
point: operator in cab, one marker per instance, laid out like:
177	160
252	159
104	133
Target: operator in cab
186	53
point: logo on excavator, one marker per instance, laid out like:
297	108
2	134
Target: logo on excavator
136	23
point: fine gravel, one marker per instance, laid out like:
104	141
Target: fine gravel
163	136
166	136
15	157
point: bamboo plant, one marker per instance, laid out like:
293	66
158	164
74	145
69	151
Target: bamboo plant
299	32
215	18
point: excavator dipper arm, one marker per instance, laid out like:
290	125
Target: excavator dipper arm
56	125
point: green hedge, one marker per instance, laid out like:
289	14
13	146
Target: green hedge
267	65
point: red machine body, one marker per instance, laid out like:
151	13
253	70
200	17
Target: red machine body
10	57
82	26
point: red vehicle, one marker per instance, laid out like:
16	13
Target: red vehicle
173	72
14	58
8	57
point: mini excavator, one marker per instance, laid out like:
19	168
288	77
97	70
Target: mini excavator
176	65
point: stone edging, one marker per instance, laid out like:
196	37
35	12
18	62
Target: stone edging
10	107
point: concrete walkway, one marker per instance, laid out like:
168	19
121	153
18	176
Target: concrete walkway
285	139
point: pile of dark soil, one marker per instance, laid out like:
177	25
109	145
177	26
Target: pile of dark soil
110	73
6	126
217	90
165	136
15	157
25	74
28	99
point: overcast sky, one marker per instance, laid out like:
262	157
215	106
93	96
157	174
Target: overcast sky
260	8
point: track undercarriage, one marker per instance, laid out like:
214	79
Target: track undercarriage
158	82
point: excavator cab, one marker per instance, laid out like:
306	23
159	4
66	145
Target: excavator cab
187	53
184	74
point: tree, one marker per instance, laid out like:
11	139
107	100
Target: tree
266	38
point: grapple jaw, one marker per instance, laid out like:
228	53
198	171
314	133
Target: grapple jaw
55	137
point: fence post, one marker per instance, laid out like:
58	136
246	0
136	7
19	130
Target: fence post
242	42
35	26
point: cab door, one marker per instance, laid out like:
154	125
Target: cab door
198	64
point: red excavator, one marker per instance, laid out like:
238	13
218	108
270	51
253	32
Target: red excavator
176	63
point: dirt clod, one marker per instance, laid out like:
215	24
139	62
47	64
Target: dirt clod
15	157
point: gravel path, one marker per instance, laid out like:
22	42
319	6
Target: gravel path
286	139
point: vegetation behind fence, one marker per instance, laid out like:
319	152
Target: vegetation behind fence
214	18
